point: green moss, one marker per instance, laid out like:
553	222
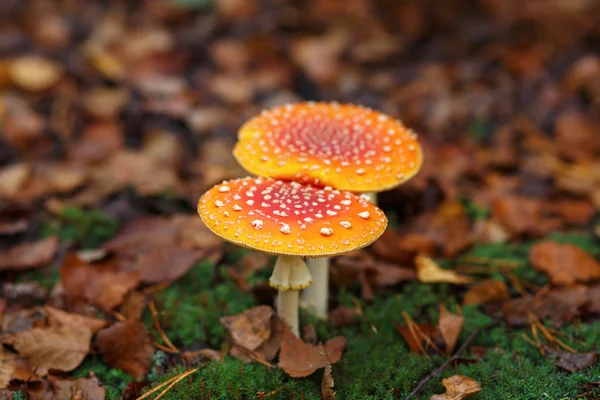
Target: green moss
87	228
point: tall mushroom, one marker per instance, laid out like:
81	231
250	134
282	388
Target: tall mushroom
344	146
292	221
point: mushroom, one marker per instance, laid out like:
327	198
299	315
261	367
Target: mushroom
292	221
345	146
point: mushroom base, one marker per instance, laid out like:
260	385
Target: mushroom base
315	298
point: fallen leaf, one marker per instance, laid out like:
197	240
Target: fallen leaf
102	284
58	318
76	389
134	305
251	328
7	367
560	305
12	179
60	348
128	346
450	326
299	359
343	316
457	387
35	73
155	247
202	356
564	264
29	255
383	274
416	342
6	394
268	350
520	215
486	291
400	248
429	272
571	362
327	384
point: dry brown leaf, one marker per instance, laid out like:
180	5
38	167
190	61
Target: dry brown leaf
102	284
251	328
128	346
76	389
416	342
564	264
202	356
327	384
457	387
7	367
450	326
35	73
29	255
560	305
58	318
429	272
487	290
571	362
163	249
299	359
134	305
60	348
519	214
343	316
13	178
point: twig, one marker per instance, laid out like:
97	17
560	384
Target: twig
444	365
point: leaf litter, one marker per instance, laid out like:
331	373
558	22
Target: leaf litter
140	128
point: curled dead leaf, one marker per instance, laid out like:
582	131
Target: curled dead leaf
457	387
327	384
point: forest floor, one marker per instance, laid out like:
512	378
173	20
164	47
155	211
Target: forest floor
115	120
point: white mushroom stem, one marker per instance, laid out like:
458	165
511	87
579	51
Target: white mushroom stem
290	275
316	297
372	197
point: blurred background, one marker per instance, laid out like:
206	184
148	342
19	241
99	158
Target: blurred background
98	96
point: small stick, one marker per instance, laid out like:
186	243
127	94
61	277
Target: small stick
444	365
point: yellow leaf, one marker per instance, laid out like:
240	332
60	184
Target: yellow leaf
429	272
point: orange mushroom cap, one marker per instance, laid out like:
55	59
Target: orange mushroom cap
288	218
345	146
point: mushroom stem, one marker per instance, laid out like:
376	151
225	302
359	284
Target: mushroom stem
316	296
287	308
290	275
372	197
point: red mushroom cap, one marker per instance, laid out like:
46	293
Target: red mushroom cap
345	146
288	218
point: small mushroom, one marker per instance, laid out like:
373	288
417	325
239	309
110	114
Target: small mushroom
345	146
281	221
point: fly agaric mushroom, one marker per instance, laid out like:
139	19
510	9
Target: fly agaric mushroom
292	221
345	146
